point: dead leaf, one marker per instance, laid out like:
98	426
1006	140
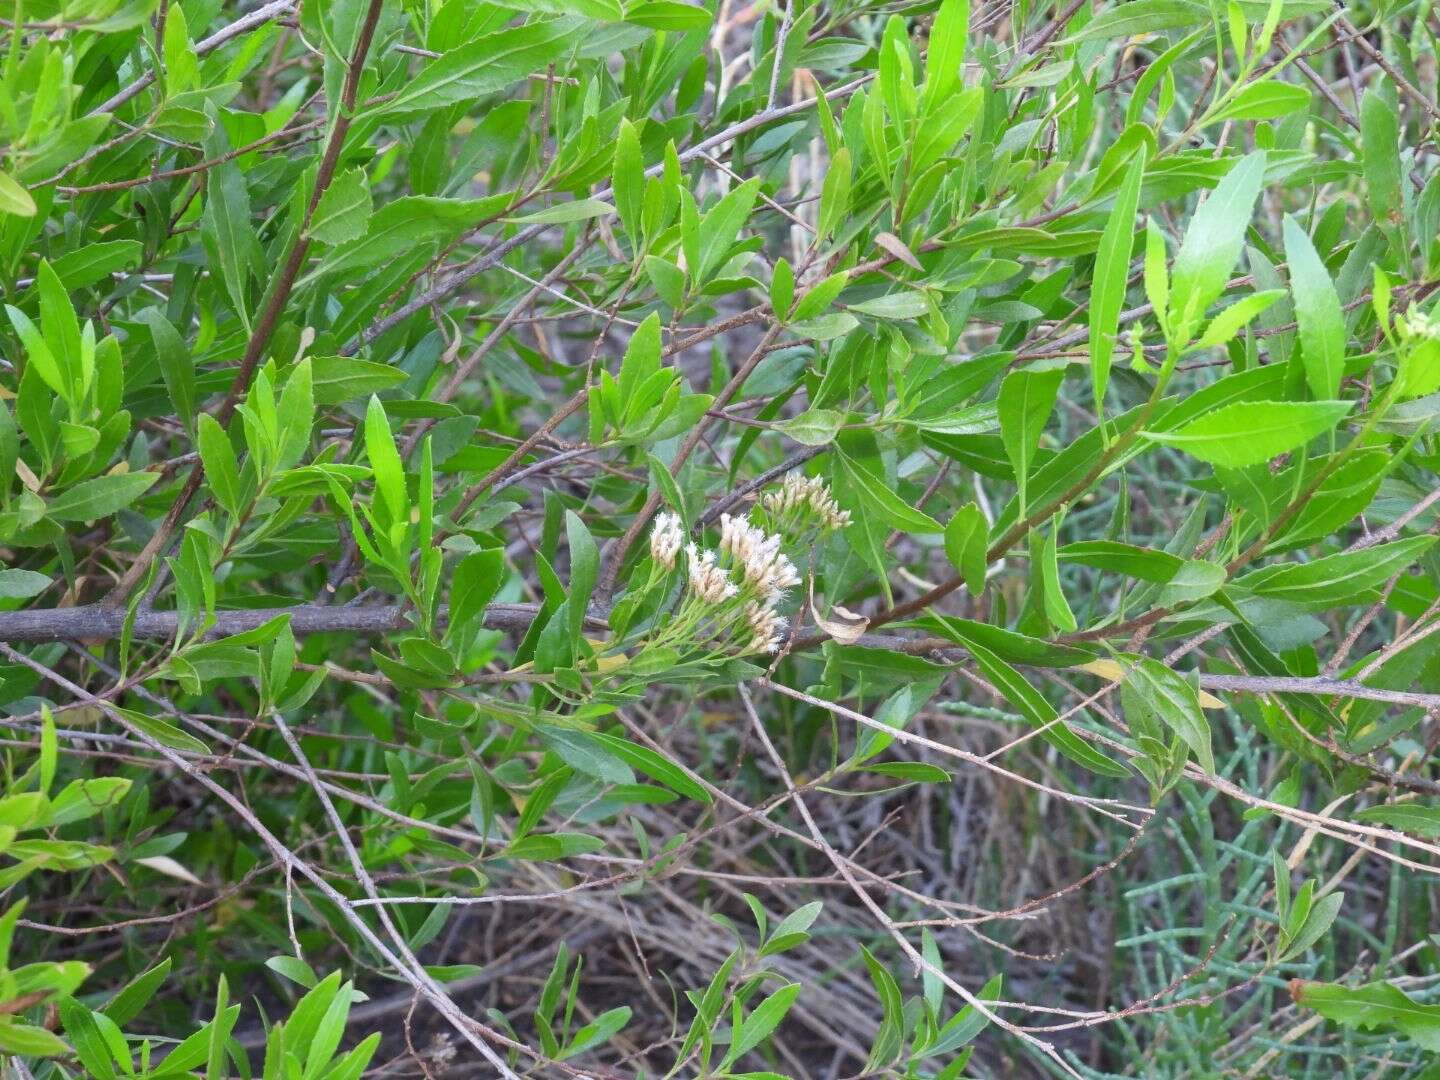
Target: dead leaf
847	629
163	864
895	246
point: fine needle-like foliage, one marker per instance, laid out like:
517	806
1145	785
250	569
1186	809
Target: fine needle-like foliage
719	538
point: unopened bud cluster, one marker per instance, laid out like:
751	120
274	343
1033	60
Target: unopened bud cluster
802	503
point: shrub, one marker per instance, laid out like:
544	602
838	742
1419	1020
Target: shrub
862	539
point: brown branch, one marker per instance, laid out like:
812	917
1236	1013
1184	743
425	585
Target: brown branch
101	622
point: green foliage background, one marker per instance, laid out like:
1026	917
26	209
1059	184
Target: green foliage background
645	538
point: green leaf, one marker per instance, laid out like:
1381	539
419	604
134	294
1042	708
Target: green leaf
834	201
1319	920
721	225
1374	1005
94	263
912	772
22	584
176	366
488	63
565	212
477	578
1175	701
628	180
671	15
782	288
946	52
966	537
1035	708
1026	400
91	500
967	1024
164	732
1411	817
344	210
136	994
640	363
1345	579
295	416
1317	310
898	306
14	199
878	498
761	1022
1212	242
1109	282
1236	317
38	354
813	427
404	225
337	379
1380	151
600	1030
27	1040
584	568
230	237
1130	17
1147	564
1268	100
385	462
218	458
182	70
819	297
585	753
84	798
1057	608
886	1045
547	847
1247	433
654	765
1008	644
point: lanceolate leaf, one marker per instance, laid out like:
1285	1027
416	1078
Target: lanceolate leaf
1112	273
485	65
1248	433
879	499
1041	713
1175	701
100	497
1026	400
1317	309
1335	580
1417	818
1212	241
1371	1006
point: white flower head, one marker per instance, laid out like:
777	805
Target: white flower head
709	582
766	627
665	539
1419	324
765	568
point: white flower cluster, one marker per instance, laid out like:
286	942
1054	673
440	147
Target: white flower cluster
1419	324
732	592
766	627
758	555
711	583
665	539
805	500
